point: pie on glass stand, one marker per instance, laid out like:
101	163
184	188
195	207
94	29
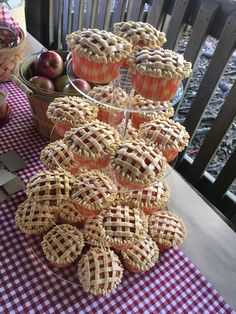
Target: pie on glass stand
62	245
70	111
69	215
100	271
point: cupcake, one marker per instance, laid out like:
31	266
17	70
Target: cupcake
34	218
149	110
111	96
140	34
168	136
69	215
92	144
150	199
62	245
50	188
57	156
70	111
166	229
122	226
137	165
157	73
142	256
97	55
100	271
92	192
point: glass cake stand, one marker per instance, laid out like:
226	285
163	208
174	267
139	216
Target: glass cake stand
69	274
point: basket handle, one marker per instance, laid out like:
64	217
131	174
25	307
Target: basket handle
21	85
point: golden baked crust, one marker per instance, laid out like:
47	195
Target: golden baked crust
69	215
94	140
166	134
34	218
71	110
50	187
128	130
62	245
140	32
166	229
99	45
154	196
142	256
160	63
122	226
56	155
153	109
93	190
92	235
109	95
100	271
138	163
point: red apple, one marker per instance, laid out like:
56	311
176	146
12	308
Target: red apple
82	85
61	82
42	82
69	89
49	64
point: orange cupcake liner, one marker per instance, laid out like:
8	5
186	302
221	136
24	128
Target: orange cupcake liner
91	164
153	88
92	71
62	128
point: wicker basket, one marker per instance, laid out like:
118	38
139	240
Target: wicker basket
10	58
39	98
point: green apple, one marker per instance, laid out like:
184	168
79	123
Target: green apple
61	82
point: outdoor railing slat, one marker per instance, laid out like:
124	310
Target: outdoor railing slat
134	9
154	12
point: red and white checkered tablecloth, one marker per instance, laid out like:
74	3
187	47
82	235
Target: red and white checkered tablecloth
174	285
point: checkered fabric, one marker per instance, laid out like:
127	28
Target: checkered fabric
174	285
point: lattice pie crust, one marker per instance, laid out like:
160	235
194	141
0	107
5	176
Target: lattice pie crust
139	32
100	271
34	218
160	63
139	163
68	213
153	196
99	45
56	155
166	229
93	190
165	133
94	140
152	109
71	110
142	256
63	244
109	95
122	226
50	187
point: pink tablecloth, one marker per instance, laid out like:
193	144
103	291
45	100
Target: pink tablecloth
174	285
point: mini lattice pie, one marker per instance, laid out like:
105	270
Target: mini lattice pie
100	271
122	226
56	156
149	110
62	245
97	55
142	256
34	218
92	144
140	34
92	192
166	229
157	73
70	111
167	135
50	187
69	215
113	96
137	165
150	199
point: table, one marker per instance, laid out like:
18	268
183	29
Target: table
174	285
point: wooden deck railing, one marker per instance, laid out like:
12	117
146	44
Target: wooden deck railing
203	17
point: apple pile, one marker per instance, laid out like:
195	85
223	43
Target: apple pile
50	74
